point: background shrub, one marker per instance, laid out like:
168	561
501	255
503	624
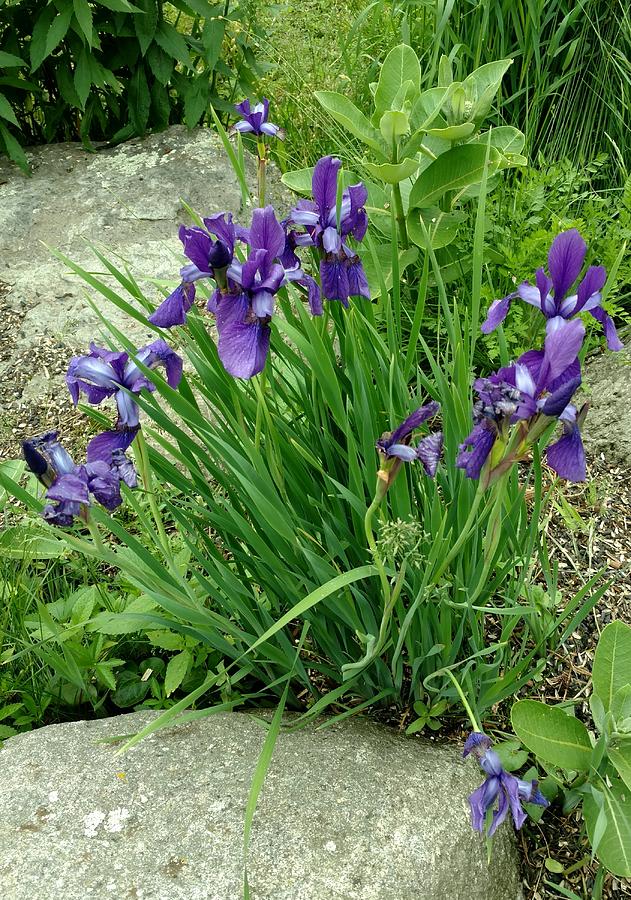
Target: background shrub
109	70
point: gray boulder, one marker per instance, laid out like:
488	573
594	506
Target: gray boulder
128	199
607	429
352	811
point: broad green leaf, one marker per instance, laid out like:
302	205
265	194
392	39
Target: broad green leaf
139	100
442	227
393	125
37	48
119	5
84	17
614	846
173	43
196	99
392	173
453	132
176	671
621	704
612	662
13	469
161	63
6	110
399	66
454	170
428	107
58	29
482	85
145	24
63	77
346	113
10	61
551	735
619	752
29	542
83	78
212	38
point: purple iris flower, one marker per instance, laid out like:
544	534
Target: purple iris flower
539	382
208	259
255	120
394	446
341	272
244	310
565	261
104	373
500	787
69	486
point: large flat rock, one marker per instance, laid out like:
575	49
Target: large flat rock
129	199
349	812
607	429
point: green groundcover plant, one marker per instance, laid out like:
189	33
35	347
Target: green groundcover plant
352	503
112	69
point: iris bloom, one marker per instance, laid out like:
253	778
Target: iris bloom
500	789
394	446
550	294
245	308
70	486
255	120
104	373
341	272
535	389
208	259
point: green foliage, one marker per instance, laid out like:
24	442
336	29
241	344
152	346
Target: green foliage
112	69
424	144
597	771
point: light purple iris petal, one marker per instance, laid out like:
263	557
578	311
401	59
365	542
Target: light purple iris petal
500	812
315	295
271	129
565	261
69	487
124	468
331	240
510	785
272	275
474	451
544	284
105	445
243	127
401	451
530	294
562	344
159	353
306	217
567	456
95	371
60	459
266	232
609	329
263	304
481	800
243	348
172	311
61	513
251	267
334	280
128	411
497	312
324	185
429	451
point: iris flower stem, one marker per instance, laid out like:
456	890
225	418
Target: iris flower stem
142	458
260	172
259	388
370	537
398	208
96	534
464	701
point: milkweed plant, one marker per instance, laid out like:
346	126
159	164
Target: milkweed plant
322	459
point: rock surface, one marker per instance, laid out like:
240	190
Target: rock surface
350	812
128	199
607	429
